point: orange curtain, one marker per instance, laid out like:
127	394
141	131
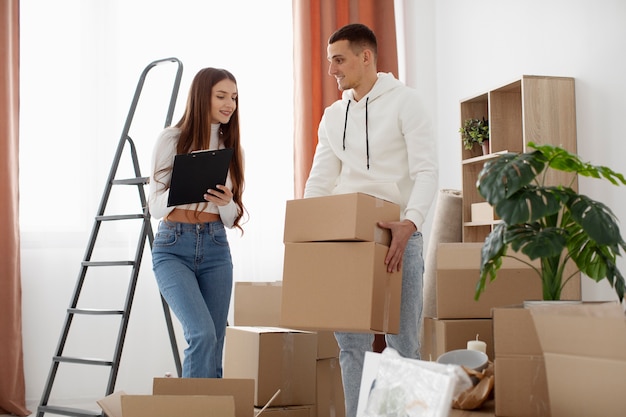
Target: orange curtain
12	386
314	22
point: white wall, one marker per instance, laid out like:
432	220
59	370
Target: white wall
464	48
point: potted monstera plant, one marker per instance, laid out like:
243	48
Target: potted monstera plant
554	224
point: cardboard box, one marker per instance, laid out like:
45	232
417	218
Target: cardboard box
458	267
274	358
343	217
584	348
257	303
293	411
120	404
340	286
329	392
242	390
443	335
520	374
482	212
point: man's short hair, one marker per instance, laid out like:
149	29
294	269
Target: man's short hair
360	37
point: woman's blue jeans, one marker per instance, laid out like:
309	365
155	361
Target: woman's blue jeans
407	342
194	272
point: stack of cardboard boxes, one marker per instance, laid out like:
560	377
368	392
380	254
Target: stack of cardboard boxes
304	365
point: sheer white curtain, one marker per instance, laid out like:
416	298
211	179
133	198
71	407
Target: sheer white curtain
80	63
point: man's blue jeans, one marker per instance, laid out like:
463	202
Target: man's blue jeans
407	342
194	272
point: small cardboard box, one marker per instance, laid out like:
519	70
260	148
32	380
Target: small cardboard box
520	374
444	335
242	390
275	358
340	286
482	212
343	217
458	272
330	398
119	404
257	303
584	348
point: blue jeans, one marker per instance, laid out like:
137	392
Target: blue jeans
407	342
194	271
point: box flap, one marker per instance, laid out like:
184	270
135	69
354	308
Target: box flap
241	389
584	329
112	404
177	405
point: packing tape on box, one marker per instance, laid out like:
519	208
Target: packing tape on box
289	358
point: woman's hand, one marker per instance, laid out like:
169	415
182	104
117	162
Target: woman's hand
219	198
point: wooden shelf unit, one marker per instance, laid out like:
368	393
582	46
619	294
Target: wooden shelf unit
540	109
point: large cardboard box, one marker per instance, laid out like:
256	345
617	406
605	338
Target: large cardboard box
443	335
119	404
458	266
330	399
257	303
584	347
242	390
340	286
343	217
275	358
521	388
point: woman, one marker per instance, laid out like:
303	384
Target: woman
191	256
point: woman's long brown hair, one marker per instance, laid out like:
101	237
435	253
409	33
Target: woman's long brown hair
195	128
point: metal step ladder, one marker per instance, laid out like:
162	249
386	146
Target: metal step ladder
145	232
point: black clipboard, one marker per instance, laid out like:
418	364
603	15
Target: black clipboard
194	173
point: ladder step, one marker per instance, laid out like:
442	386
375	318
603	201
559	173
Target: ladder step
107	263
94	311
68	411
84	361
120	217
131	181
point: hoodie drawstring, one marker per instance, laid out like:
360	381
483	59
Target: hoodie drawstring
367	140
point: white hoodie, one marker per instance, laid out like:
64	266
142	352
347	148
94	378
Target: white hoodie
389	150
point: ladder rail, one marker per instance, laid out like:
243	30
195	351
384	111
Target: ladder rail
145	233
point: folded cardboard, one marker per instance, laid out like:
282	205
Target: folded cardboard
257	303
275	358
340	286
458	272
329	389
343	217
443	335
584	347
242	390
520	374
119	404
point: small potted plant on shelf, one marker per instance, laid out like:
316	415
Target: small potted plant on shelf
475	131
554	224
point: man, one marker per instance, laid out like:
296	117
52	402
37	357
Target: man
377	140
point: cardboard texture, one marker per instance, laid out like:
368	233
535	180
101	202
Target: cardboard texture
257	303
242	390
344	217
329	389
520	374
274	358
584	349
340	286
293	411
122	405
458	266
443	335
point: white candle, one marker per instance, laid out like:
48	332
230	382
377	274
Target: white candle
478	345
